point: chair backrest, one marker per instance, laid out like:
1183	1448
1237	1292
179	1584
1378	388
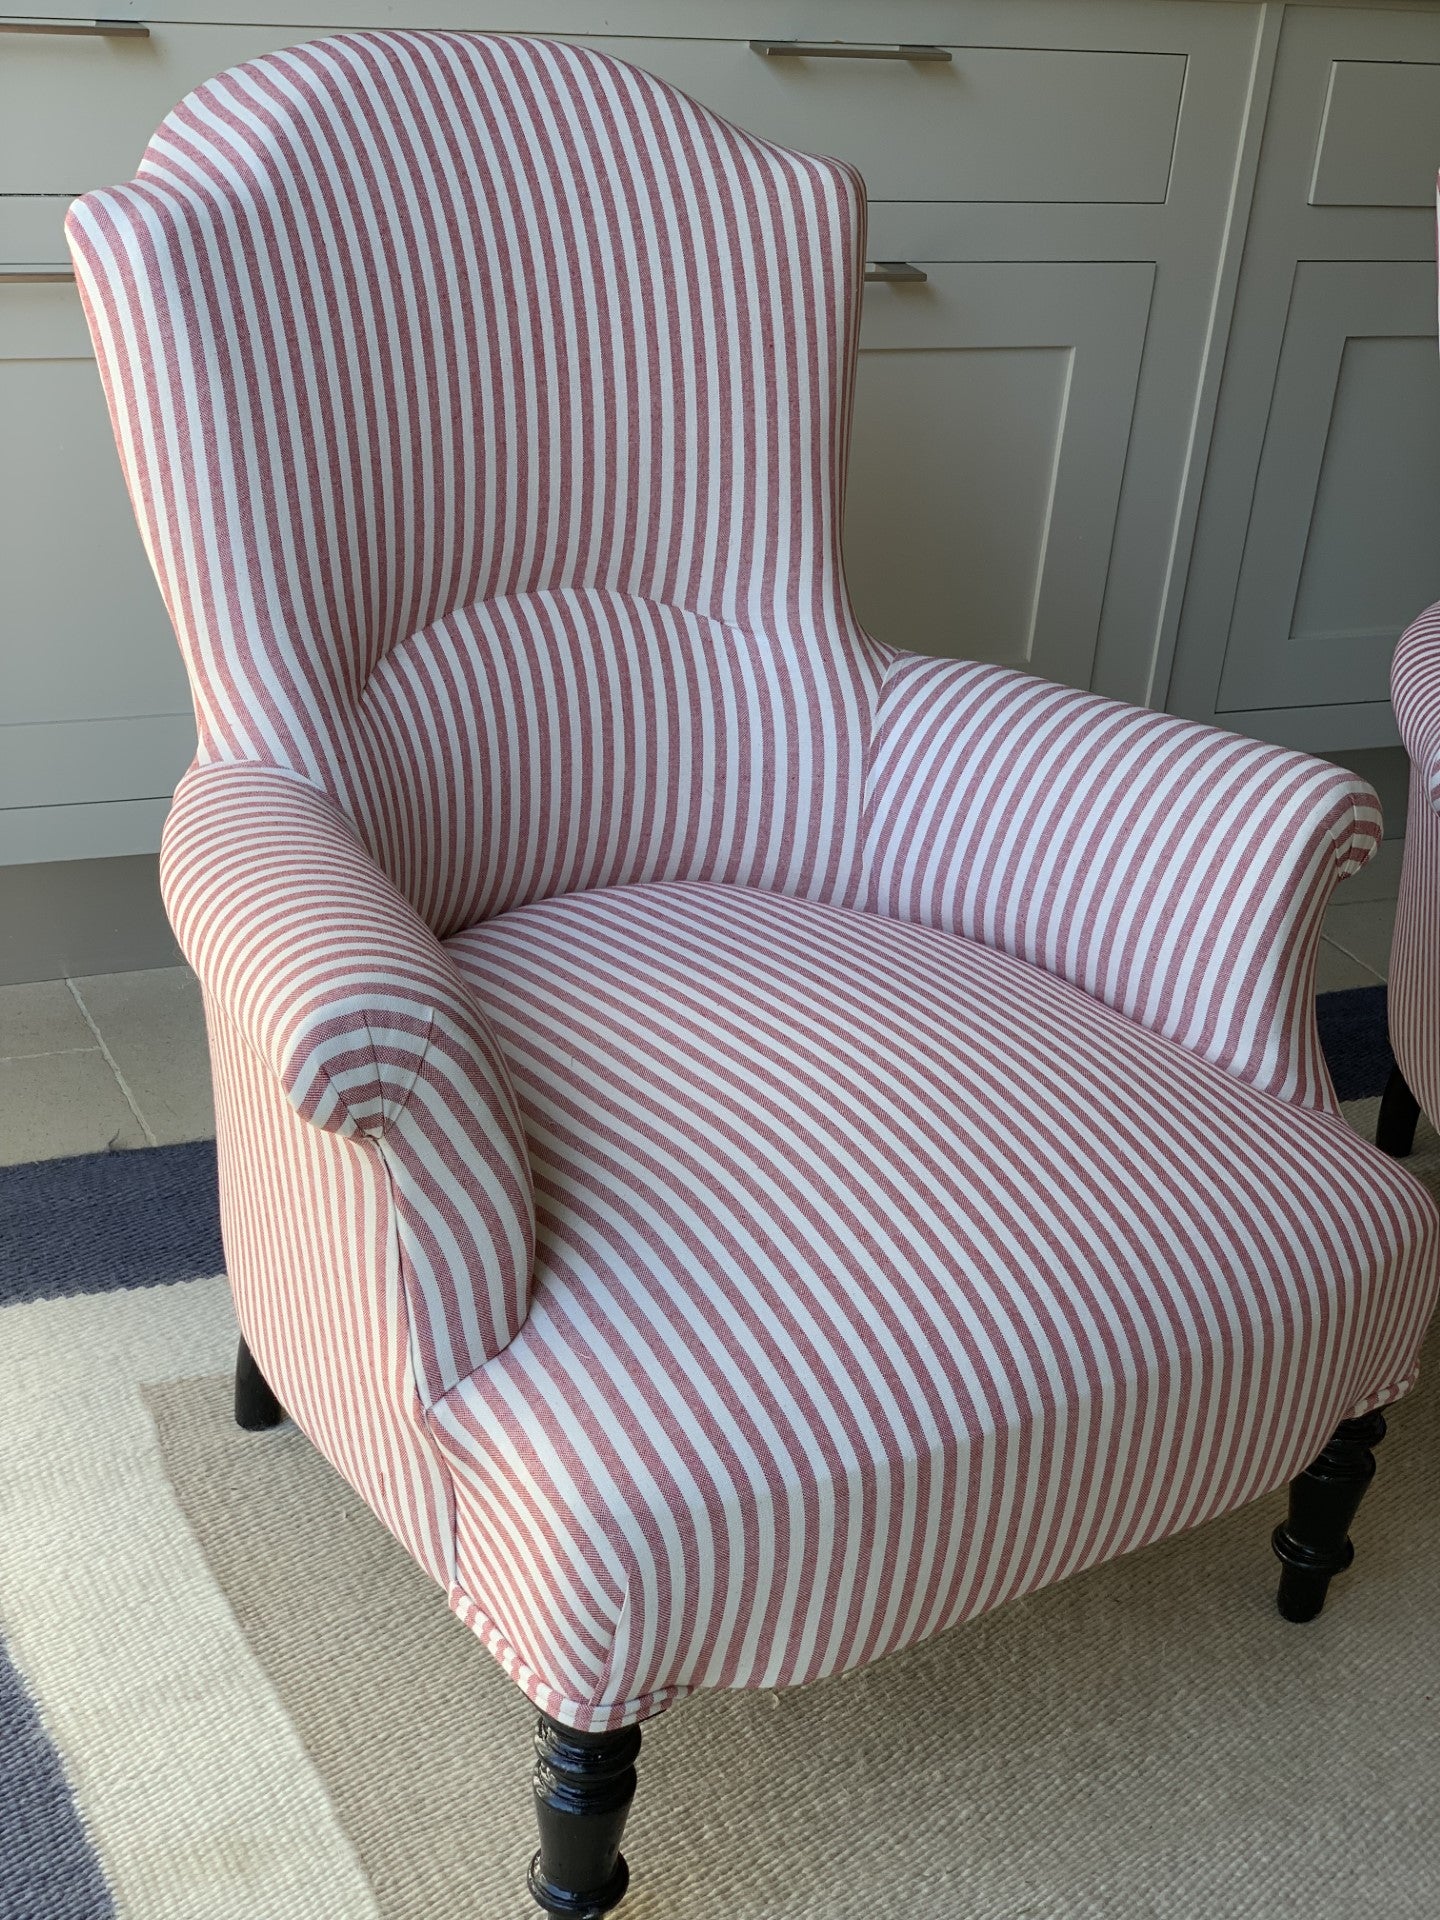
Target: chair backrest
484	401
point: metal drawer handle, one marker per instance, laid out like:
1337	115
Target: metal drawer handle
892	272
91	29
839	50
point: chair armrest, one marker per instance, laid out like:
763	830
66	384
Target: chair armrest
1415	690
1174	872
347	997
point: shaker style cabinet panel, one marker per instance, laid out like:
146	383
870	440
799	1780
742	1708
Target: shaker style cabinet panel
1345	520
1377	144
992	414
95	718
1319	530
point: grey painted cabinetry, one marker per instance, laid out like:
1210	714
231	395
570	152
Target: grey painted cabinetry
992	420
1319	529
1033	418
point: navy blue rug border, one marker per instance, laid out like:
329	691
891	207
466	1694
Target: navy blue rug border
49	1869
137	1217
1355	1038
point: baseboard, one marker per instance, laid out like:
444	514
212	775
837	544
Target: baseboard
75	917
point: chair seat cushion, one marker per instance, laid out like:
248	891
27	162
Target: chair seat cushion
880	1278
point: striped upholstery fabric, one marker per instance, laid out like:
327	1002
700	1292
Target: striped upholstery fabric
743	1145
1177	874
1414	979
879	1279
510	388
350	1002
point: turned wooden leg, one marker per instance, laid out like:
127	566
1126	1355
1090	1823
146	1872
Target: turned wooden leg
584	1783
1399	1116
255	1405
1314	1542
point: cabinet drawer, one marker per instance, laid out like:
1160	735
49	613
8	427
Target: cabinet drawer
1377	143
989	124
76	110
71	763
32	229
1012	123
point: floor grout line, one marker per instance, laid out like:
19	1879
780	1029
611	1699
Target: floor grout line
1378	978
110	1059
50	1053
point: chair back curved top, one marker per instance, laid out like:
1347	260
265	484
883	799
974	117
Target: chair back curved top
484	404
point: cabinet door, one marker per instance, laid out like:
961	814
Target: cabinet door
96	712
992	416
1316	541
1341	551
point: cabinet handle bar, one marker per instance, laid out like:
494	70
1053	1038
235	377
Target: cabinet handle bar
893	272
839	50
88	29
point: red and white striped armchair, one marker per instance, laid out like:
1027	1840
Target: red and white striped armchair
1413	998
746	1147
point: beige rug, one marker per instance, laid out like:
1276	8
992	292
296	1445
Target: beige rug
266	1711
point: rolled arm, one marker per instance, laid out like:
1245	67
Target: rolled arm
1177	873
345	994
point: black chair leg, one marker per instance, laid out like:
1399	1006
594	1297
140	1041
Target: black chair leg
1314	1543
584	1783
255	1405
1399	1116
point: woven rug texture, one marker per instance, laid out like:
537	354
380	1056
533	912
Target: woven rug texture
226	1694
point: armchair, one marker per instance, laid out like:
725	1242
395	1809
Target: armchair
1414	983
746	1147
